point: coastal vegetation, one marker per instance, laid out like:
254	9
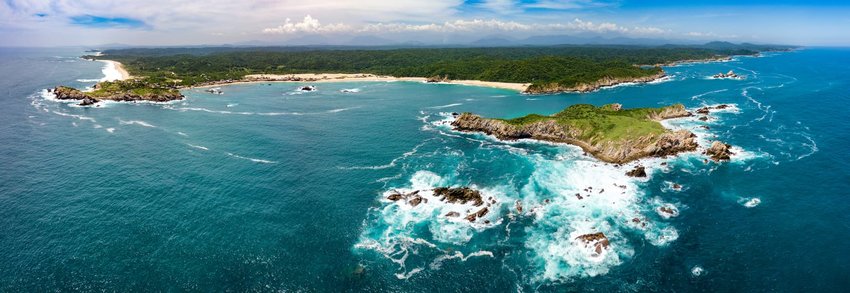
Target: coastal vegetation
163	71
610	133
566	66
608	123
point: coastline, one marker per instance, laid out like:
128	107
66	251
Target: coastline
355	77
114	70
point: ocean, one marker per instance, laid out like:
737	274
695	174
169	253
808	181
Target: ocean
267	188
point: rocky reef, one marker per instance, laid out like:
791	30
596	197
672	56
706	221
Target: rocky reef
598	241
554	87
729	75
476	206
608	133
90	98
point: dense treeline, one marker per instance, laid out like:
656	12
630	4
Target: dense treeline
566	65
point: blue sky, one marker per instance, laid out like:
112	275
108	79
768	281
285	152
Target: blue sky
166	22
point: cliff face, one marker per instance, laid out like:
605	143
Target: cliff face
67	93
551	88
623	151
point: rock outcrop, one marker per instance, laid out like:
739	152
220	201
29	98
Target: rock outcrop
88	101
460	195
437	78
676	111
597	240
731	74
451	196
67	93
719	151
554	87
639	171
668	143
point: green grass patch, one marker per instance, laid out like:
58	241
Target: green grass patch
601	124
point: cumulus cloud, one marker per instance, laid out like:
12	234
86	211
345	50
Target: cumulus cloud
308	25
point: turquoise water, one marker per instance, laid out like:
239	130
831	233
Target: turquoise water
266	188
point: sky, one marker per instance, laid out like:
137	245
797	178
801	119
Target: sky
188	22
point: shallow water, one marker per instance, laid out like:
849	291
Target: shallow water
265	187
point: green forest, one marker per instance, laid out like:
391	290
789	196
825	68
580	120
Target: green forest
564	65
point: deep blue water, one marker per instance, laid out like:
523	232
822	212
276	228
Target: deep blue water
264	188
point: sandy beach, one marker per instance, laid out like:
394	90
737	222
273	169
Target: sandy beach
114	70
363	77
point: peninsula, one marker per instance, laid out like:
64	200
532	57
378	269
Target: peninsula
609	133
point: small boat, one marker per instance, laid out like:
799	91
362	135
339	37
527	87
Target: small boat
215	91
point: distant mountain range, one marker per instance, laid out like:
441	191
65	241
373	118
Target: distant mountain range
306	42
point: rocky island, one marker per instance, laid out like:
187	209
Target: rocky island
124	91
609	133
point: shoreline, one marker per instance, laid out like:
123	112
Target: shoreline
524	88
356	77
115	69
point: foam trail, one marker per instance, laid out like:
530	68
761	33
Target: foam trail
81	117
812	146
446	106
251	159
391	163
707	93
136	122
198	147
407	275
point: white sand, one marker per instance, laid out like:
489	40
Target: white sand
114	70
342	77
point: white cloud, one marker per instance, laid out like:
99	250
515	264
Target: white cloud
308	25
313	25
